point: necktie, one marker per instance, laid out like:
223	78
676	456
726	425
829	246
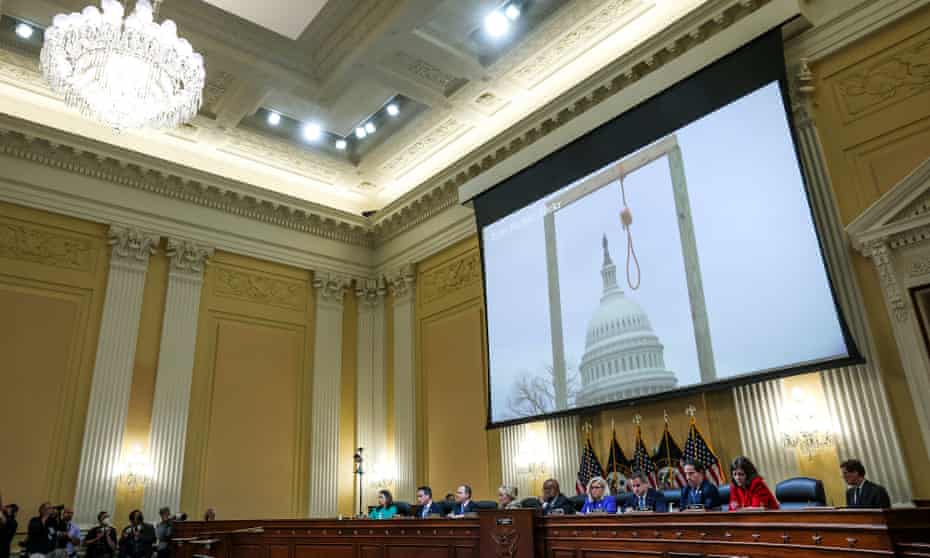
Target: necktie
856	500
642	502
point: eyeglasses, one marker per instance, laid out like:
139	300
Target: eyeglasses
597	486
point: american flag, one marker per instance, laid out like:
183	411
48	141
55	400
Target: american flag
641	460
668	457
697	449
590	468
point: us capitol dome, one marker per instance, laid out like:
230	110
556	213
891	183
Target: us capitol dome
623	357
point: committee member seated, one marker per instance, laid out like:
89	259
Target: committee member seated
386	508
427	506
862	493
599	499
507	497
748	490
553	501
463	503
642	496
699	493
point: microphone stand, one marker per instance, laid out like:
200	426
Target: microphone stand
357	458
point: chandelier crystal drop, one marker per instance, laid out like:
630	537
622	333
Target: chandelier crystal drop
126	72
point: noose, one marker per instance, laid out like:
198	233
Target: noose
626	218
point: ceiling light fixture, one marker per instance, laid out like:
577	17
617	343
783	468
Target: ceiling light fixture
124	72
496	24
393	110
274	118
24	30
341	144
512	12
370	128
360	133
312	131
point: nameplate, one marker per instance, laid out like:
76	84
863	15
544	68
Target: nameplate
505	521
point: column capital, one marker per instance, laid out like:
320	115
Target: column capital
131	244
330	286
402	281
880	252
188	257
801	93
371	291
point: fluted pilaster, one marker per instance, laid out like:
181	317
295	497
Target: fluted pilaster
113	367
175	370
327	375
758	408
371	402
405	441
512	439
565	448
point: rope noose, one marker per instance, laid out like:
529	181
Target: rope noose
626	218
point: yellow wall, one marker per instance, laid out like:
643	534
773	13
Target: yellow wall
873	137
249	431
348	497
53	273
452	359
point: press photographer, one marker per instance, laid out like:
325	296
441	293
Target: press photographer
8	525
137	540
100	541
40	538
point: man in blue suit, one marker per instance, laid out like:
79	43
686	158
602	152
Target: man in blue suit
699	493
643	497
463	503
427	506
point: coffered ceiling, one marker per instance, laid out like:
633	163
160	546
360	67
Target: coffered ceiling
340	63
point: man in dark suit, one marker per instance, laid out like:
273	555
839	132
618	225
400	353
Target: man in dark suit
699	493
427	506
553	501
862	493
643	497
463	503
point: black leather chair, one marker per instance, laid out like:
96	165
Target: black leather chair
486	505
578	502
532	502
403	508
800	492
446	507
672	495
724	491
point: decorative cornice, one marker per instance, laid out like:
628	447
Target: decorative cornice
410	212
131	244
187	257
52	148
331	287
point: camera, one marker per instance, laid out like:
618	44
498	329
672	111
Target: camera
179	517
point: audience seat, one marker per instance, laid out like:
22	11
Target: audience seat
672	495
578	502
531	502
800	492
403	508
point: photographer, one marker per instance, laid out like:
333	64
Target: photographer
163	532
138	538
8	527
101	540
39	539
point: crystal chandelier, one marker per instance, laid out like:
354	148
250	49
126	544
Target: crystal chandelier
125	72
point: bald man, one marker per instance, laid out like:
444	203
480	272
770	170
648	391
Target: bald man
553	501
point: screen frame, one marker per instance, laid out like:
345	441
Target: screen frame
526	187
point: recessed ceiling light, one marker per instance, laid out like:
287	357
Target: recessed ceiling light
496	24
274	118
24	30
360	133
341	144
512	11
393	110
370	128
312	131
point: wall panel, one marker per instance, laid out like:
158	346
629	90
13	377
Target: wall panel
53	274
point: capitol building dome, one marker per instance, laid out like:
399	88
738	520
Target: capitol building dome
623	357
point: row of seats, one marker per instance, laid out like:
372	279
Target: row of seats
794	493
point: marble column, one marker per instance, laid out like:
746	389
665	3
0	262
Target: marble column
327	376
405	411
371	402
856	396
565	448
173	378
113	368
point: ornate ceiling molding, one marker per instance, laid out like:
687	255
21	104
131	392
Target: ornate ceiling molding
45	146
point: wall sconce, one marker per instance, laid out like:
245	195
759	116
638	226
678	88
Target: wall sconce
135	470
381	475
803	426
533	457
